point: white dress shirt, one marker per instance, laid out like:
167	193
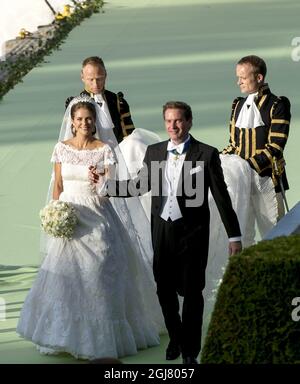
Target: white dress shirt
170	206
105	118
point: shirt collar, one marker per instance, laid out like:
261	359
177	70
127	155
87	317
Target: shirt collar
251	98
179	147
95	96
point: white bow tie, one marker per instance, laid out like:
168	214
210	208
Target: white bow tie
172	147
179	148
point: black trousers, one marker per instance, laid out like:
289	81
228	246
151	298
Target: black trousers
179	268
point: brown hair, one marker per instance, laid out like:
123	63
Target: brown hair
179	105
86	105
258	64
94	60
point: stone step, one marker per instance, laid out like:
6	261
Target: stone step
16	47
288	225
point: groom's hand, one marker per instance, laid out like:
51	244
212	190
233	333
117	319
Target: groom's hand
235	247
93	174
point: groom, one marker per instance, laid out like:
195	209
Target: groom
180	223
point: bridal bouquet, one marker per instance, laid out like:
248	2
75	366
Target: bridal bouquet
59	219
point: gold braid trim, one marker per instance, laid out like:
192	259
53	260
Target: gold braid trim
127	114
129	126
277	134
253	142
240	140
262	101
121	118
276	146
256	166
247	143
232	127
227	149
269	156
279	121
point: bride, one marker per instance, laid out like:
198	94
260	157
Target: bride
94	295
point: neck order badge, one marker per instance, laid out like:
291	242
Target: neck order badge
178	153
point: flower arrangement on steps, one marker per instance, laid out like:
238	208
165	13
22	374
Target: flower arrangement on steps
19	62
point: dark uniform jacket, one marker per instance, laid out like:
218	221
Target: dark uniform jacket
119	112
262	146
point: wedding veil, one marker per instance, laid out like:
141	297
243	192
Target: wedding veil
134	218
130	211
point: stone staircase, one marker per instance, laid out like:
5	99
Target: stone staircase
25	46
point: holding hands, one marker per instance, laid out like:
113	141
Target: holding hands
94	174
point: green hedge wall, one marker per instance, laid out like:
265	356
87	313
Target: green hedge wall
252	318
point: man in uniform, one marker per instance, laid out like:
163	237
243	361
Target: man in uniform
259	126
115	108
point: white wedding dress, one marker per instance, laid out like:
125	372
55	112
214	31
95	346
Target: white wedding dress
94	296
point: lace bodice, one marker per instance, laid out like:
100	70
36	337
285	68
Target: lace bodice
102	156
75	167
94	295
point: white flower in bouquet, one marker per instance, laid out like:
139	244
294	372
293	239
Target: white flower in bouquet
59	219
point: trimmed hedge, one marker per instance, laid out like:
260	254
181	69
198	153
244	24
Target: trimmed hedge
252	319
17	67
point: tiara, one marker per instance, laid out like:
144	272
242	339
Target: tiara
82	99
